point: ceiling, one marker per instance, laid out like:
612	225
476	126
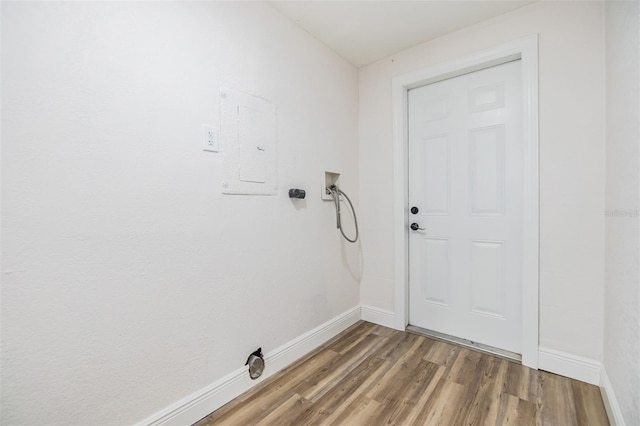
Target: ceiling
364	31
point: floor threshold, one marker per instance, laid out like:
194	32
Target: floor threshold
500	353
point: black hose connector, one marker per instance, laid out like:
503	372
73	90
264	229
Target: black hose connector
297	193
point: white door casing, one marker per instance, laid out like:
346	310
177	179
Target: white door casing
525	49
465	178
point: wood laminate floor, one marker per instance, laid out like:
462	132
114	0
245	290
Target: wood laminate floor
373	375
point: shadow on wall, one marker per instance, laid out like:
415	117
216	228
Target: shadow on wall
352	258
351	253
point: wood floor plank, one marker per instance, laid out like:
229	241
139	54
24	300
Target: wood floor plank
327	404
426	395
395	378
521	382
425	347
589	406
466	369
515	411
442	407
396	346
264	399
443	354
373	375
385	332
352	337
557	403
321	382
399	404
360	411
280	414
485	404
356	394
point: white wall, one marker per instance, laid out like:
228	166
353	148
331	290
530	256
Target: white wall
571	70
128	280
622	289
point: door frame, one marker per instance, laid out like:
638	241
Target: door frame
526	50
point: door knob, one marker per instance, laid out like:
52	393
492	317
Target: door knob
414	210
415	227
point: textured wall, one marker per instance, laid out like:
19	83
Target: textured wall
571	72
128	280
622	288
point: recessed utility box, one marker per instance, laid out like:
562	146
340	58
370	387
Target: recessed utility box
328	179
248	142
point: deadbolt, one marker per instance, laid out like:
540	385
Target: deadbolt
414	210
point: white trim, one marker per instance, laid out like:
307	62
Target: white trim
526	49
377	316
208	399
569	365
610	401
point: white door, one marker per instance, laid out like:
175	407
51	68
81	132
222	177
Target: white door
465	178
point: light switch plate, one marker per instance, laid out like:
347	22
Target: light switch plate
210	138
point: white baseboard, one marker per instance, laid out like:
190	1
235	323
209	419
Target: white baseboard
610	401
569	365
197	405
377	316
208	399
